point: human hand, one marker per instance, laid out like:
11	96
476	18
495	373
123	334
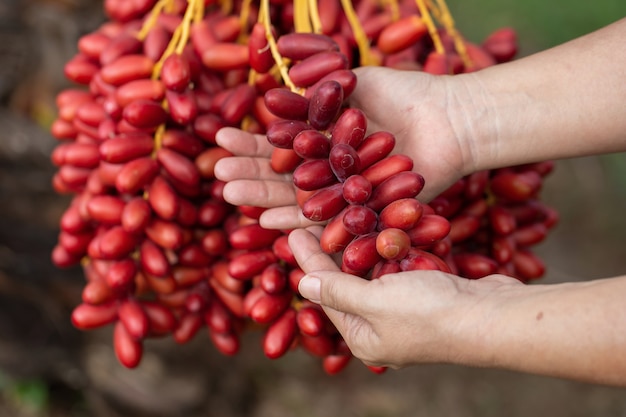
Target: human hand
414	106
252	182
403	318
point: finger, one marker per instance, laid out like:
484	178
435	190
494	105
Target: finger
324	283
245	167
259	193
242	143
288	216
337	292
308	253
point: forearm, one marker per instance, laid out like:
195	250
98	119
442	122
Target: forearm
572	330
564	102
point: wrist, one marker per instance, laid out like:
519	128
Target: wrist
472	120
472	332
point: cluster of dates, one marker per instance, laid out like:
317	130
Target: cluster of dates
346	176
165	254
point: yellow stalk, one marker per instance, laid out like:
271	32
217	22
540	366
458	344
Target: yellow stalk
393	7
158	139
432	28
359	33
448	22
153	17
227	6
301	21
315	16
243	19
264	17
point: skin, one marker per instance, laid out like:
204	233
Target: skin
564	102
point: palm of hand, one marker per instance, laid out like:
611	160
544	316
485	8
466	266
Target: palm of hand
416	115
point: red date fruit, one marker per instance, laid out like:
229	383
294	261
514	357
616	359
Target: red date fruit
116	243
474	265
248	264
128	350
314	174
299	46
402	214
87	317
284	160
253	236
182	106
311	144
261	59
344	161
345	77
136	215
179	167
325	103
501	220
350	128
286	104
310	321
516	186
225	56
134	319
528	266
175	72
160	318
335	237
386	168
361	255
406	184
324	204
310	70
126	147
269	307
401	34
281	133
357	189
430	229
393	244
136	174
121	275
385	267
280	335
238	103
163	199
375	147
127	68
501	44
360	220
153	259
106	209
463	227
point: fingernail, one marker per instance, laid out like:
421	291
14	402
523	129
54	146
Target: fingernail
309	287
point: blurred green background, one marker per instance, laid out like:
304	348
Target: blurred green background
49	369
541	24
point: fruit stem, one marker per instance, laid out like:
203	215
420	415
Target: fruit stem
151	21
359	33
314	15
446	19
301	21
432	28
394	8
264	17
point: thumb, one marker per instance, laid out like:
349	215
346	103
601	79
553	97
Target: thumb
336	290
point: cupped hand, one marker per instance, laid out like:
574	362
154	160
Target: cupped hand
250	180
427	114
416	107
398	319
